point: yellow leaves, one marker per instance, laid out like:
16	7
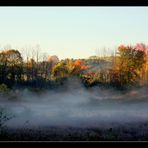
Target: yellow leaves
146	66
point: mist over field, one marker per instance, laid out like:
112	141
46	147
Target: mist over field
76	106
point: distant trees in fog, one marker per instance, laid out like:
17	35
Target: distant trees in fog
14	70
129	66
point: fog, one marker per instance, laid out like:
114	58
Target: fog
76	106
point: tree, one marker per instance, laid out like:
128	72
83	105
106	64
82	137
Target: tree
60	71
130	63
11	65
15	63
45	67
3	67
76	67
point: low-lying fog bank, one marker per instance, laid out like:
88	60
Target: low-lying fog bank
76	106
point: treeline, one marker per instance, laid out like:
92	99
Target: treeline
14	71
127	67
48	72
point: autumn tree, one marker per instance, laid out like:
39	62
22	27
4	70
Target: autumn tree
60	71
76	67
131	60
11	65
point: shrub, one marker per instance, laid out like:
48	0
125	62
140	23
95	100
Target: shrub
4	89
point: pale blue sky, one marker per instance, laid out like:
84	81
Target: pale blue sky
72	31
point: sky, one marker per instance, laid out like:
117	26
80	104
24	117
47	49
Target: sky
72	32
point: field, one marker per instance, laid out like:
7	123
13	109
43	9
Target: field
77	114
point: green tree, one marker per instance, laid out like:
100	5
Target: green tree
11	65
15	64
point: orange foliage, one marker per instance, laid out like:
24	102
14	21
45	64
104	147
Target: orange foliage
76	67
83	67
78	63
